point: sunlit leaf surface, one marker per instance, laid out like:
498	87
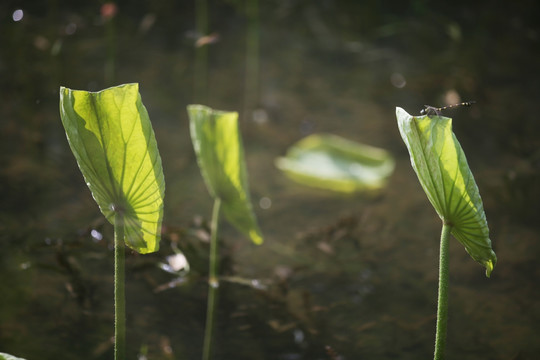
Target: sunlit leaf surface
112	139
441	166
4	356
334	163
220	154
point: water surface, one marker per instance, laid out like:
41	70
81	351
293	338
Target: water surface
357	273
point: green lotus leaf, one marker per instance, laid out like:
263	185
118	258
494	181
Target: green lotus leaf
442	169
334	163
111	136
220	155
4	356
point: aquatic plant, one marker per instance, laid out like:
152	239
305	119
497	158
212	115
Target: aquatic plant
112	139
331	162
253	35
442	169
220	156
4	356
201	52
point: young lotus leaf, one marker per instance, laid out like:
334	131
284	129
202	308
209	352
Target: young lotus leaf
441	166
334	163
220	155
111	136
4	356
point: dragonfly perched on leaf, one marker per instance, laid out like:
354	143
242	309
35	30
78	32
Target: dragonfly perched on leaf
431	110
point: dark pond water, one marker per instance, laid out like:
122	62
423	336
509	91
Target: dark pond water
357	273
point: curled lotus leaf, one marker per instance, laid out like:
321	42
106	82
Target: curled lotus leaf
220	155
442	169
112	139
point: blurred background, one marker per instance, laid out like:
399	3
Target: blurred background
339	276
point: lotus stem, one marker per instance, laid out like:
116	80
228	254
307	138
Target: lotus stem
119	289
213	282
251	86
201	53
442	302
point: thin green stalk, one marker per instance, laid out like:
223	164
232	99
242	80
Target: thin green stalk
251	88
119	290
442	302
213	282
201	53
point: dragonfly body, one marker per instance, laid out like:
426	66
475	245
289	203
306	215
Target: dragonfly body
431	110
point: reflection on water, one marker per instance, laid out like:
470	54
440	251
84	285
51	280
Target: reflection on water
338	277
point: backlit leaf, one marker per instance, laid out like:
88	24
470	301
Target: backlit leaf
441	166
112	139
4	356
220	155
334	163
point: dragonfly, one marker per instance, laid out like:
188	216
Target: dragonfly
431	110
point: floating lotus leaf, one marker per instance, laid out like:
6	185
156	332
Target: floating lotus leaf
331	162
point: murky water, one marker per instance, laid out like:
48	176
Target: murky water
354	274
